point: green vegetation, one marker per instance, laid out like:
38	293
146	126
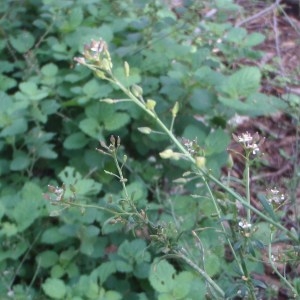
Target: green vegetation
145	213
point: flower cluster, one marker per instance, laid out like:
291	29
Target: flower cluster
245	227
57	191
275	197
96	53
192	146
249	142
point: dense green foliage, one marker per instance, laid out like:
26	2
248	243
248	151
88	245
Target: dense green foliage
51	122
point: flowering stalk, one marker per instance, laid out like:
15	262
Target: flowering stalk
97	58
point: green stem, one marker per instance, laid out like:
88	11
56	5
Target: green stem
201	272
247	182
201	171
296	294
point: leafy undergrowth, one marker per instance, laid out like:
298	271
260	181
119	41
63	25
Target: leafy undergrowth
189	64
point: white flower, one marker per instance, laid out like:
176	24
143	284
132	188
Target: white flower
245	225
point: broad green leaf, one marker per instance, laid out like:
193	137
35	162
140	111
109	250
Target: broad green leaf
72	20
54	288
182	285
253	39
202	100
116	121
22	42
52	236
193	132
17	126
91	127
76	140
96	89
20	161
7	83
123	266
31	90
47	259
49	70
162	276
8	229
16	252
212	264
70	176
105	270
242	83
216	142
46	151
255	105
30	207
236	35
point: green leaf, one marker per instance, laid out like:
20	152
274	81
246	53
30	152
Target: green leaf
54	288
96	89
117	121
91	127
162	276
256	104
52	236
49	70
30	207
23	41
242	83
17	126
45	151
73	20
70	176
212	264
30	89
202	100
253	39
6	83
216	142
75	141
182	286
20	161
105	270
47	259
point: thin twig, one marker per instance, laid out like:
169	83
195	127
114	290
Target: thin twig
258	15
277	40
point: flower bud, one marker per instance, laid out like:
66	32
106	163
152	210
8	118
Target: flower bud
126	69
200	162
137	91
150	104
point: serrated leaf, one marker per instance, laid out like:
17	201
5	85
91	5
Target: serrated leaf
242	83
54	288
